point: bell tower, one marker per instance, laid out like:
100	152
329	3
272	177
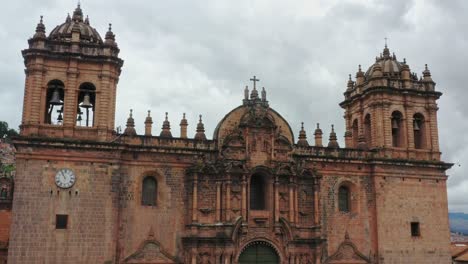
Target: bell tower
71	81
390	109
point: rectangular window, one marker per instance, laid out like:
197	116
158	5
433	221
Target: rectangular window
61	221
415	232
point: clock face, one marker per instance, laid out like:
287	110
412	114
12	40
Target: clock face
65	178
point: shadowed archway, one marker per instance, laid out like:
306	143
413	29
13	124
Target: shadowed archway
259	252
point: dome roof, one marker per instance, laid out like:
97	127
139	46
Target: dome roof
389	65
76	23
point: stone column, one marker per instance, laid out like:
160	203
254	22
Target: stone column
277	205
316	202
228	198
218	201
432	131
195	198
36	91
291	200
387	126
244	197
70	100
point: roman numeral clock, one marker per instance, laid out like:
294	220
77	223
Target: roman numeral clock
65	178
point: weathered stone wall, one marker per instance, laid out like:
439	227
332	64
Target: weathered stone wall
91	206
412	195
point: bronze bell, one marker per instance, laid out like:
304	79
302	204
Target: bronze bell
416	125
60	117
395	123
86	101
55	100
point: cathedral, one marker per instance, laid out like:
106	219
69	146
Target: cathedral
253	193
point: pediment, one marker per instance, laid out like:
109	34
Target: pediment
150	253
347	253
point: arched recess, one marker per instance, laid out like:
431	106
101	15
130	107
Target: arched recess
258	192
149	191
397	129
55	97
355	131
368	130
347	197
419	131
259	252
86	105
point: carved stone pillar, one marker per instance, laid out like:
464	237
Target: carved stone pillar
218	201
316	202
277	206
292	212
244	197
195	198
228	198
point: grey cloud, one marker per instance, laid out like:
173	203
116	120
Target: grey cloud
196	57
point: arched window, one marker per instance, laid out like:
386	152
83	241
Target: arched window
419	131
86	105
149	191
368	130
344	201
397	129
257	193
55	95
355	133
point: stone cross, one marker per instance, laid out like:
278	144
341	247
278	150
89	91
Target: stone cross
255	80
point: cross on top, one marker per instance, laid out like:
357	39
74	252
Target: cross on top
255	80
386	41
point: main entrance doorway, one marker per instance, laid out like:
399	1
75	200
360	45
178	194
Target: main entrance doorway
259	253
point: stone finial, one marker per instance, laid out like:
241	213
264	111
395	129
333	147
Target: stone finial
87	20
386	51
183	127
166	129
78	14
263	94
40	30
426	72
302	142
359	76
350	83
68	19
332	142
130	129
318	136
246	93
148	124
110	37
200	135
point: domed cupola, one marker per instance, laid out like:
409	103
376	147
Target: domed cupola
64	31
388	64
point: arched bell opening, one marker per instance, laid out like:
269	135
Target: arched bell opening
86	105
55	95
368	130
419	131
397	129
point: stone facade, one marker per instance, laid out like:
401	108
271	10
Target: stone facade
166	199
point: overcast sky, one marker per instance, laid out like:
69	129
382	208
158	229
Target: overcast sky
197	56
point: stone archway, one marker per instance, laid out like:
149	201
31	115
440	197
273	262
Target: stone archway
259	252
